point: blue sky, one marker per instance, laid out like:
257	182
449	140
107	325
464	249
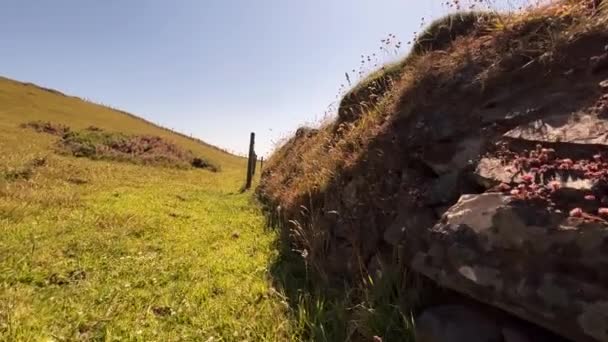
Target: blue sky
216	69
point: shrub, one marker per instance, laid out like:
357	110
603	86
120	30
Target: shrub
201	163
94	129
24	172
47	127
148	150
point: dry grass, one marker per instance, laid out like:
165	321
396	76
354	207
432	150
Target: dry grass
304	165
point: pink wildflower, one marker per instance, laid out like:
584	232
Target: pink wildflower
504	187
567	161
555	185
576	212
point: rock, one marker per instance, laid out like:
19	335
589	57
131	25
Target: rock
599	63
441	210
604	84
448	158
350	193
512	335
445	189
491	172
534	263
579	129
456	323
409	222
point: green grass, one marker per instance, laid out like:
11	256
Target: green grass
107	251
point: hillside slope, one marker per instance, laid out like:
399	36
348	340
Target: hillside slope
510	115
25	102
107	249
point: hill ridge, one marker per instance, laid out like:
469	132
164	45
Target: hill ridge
118	110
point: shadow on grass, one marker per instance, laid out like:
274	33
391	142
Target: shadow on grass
379	309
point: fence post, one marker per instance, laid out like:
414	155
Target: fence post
262	164
249	161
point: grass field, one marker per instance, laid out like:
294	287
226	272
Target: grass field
101	250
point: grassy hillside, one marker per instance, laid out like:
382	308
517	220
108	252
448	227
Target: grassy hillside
105	250
25	102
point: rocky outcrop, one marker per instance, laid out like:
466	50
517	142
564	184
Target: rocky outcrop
534	262
456	324
470	322
527	147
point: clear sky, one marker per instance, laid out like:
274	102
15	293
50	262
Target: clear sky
216	69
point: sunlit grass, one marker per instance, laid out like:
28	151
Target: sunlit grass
100	250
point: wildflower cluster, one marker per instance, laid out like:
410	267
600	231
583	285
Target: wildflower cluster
539	175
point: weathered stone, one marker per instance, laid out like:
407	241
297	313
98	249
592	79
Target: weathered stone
350	193
455	323
491	171
509	334
409	222
447	158
535	263
444	189
579	129
525	259
599	63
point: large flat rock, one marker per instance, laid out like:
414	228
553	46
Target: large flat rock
579	129
538	264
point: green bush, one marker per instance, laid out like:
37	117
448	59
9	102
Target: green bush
148	150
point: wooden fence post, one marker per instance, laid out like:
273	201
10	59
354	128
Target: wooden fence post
250	166
262	164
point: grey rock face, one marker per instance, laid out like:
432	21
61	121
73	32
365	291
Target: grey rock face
455	323
537	264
